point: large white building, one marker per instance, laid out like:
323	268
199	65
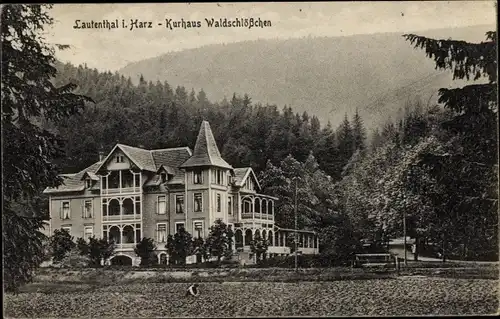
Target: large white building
133	193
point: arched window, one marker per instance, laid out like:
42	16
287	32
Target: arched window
264	206
257	234
257	205
162	258
128	206
121	260
114	207
247	205
238	238
248	237
114	234
128	234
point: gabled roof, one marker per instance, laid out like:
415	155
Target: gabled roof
140	157
206	152
73	182
241	175
170	159
91	175
167	169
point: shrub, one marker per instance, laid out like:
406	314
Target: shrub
82	246
75	260
61	243
145	249
100	249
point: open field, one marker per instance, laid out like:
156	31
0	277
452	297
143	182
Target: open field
402	295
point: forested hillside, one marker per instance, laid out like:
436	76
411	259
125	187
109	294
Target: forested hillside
330	75
435	165
157	115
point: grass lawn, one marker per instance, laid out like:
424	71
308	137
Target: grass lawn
400	296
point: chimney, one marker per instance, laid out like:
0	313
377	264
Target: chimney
101	156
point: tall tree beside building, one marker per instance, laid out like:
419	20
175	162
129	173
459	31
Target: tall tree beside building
29	151
467	169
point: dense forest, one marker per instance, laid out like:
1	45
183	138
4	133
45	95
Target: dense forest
155	115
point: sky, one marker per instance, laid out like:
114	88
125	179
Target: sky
106	49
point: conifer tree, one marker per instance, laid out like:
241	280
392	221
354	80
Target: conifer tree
358	132
29	150
468	168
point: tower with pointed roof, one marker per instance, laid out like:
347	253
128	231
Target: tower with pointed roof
207	183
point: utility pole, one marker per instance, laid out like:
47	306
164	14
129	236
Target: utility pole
404	234
404	221
296	269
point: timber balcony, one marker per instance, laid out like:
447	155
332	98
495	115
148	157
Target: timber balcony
257	207
257	216
121	208
121	182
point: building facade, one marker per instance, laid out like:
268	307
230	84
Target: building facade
133	193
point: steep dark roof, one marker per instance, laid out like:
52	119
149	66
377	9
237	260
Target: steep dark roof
151	160
206	152
172	158
142	158
241	174
73	182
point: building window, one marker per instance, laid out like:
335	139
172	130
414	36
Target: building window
230	205
198	202
178	226
88	232
87	209
162	232
218	176
138	204
104	207
137	180
162	205
197	177
65	210
219	203
138	235
179	204
198	228
163	177
120	159
88	183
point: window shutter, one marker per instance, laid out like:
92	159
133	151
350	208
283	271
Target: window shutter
61	210
83	209
156	205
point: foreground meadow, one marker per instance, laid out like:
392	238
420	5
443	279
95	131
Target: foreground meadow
399	296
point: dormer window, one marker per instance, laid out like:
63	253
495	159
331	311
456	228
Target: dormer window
163	177
120	159
88	183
